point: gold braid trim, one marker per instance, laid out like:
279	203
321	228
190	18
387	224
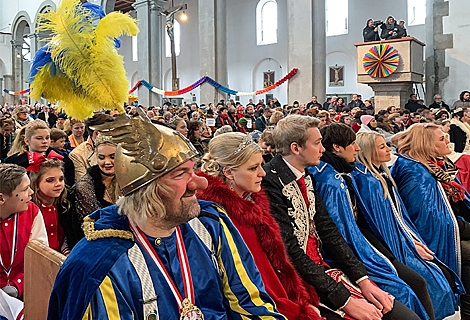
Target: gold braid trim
91	234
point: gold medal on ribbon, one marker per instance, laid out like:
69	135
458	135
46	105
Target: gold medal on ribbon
190	311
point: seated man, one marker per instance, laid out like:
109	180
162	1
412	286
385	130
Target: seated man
307	228
141	259
20	221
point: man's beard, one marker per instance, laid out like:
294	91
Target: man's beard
185	210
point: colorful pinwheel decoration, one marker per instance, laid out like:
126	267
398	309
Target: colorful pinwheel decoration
381	61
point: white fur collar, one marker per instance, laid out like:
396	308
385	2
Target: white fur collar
465	128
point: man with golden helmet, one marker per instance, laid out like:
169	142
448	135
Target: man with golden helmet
159	253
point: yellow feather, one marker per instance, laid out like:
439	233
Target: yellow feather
92	72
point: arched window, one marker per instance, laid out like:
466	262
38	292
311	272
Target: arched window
177	35
266	22
416	12
336	17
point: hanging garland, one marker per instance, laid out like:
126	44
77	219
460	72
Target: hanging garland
16	93
196	84
213	83
381	61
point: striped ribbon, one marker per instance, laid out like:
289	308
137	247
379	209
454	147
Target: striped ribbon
215	84
15	93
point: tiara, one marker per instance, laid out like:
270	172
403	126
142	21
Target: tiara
247	140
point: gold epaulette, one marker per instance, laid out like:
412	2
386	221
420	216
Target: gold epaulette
88	227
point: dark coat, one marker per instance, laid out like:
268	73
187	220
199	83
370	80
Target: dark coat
280	180
261	234
313	104
434	105
386	28
458	137
261	123
50	121
370	35
353	104
413	106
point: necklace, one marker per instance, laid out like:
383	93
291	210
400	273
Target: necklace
188	311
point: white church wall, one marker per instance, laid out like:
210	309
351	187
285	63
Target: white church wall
457	58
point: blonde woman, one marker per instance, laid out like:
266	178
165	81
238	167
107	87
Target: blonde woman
97	189
35	137
233	170
425	178
388	219
275	117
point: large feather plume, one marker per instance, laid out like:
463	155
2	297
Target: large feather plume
86	72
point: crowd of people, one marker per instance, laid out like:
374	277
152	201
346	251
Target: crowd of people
225	211
388	30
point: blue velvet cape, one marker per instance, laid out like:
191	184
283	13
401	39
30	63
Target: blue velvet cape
98	274
334	193
428	209
396	230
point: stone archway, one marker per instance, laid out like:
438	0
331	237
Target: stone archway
21	51
269	65
40	36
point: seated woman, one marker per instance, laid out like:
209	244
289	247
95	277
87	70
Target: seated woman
332	180
436	203
384	213
95	190
35	137
194	135
179	124
7	127
233	170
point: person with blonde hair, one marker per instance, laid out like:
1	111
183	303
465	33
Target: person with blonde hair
336	187
437	204
308	231
275	117
233	170
35	137
97	189
385	215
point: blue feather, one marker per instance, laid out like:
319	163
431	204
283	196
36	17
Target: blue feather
96	10
41	58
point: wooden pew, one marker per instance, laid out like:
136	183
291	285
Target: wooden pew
41	265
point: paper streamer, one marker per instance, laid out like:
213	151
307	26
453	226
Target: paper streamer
213	83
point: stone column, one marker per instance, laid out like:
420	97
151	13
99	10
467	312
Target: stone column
149	52
391	94
212	47
17	67
437	43
307	49
8	79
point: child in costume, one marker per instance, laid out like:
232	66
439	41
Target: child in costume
20	222
47	182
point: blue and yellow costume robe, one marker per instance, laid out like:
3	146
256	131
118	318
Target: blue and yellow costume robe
398	233
334	193
98	281
429	210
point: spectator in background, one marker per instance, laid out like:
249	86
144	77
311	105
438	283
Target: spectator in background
370	32
178	124
263	120
47	116
356	121
428	115
194	135
355	102
7	127
369	107
438	103
59	124
459	131
396	122
84	155
276	103
401	23
223	118
391	29
412	103
326	104
275	117
314	103
346	119
20	115
464	100
78	129
58	138
391	110
340	104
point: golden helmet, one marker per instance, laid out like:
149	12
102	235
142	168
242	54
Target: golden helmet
145	151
